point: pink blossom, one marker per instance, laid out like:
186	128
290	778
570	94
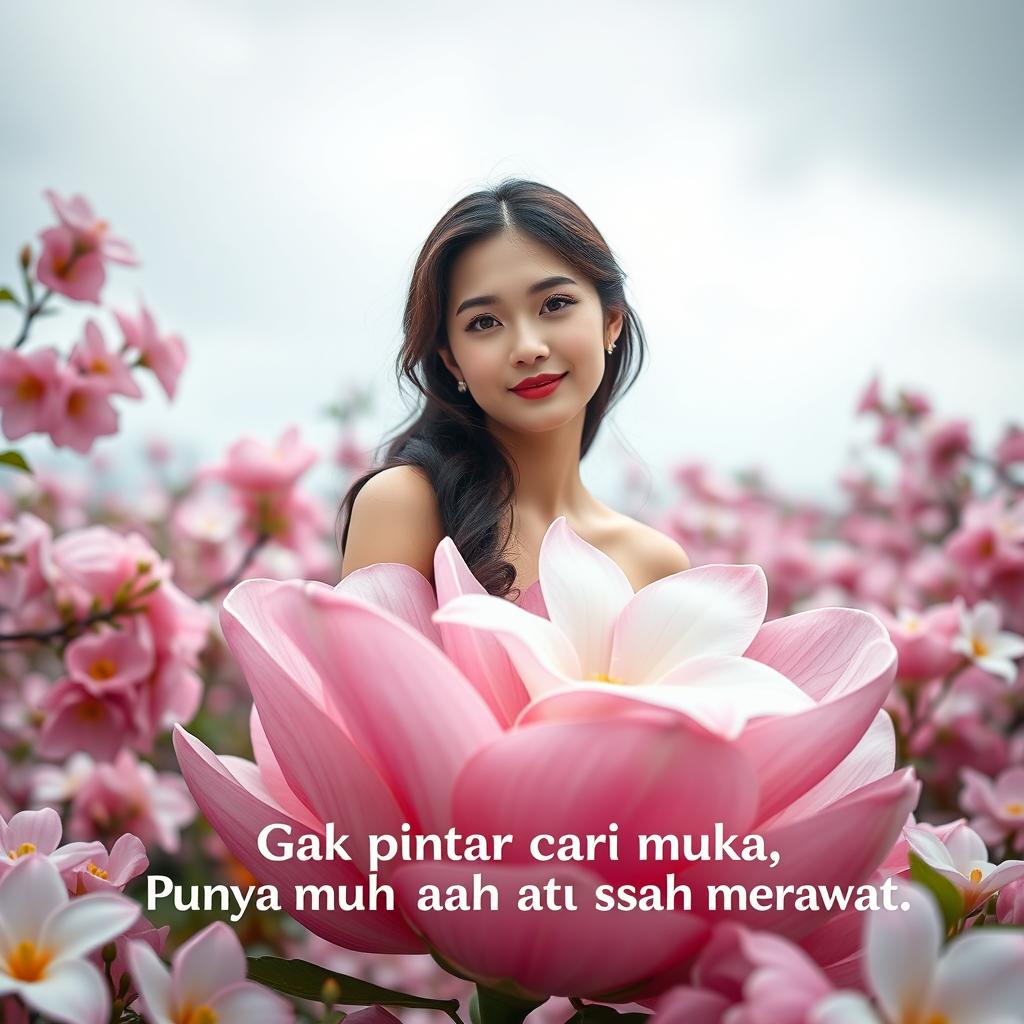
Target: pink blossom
259	469
79	720
90	232
114	870
38	834
1010	449
997	806
871	398
91	358
923	640
24	550
990	539
1010	904
207	981
946	447
165	356
107	662
67	269
128	795
29	390
81	411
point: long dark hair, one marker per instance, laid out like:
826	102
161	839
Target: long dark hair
472	474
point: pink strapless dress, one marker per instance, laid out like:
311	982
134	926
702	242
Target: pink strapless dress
532	600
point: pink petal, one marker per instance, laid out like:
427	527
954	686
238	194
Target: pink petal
583	952
399	589
271	774
41	828
239	813
711	609
841	657
247	1002
639	774
840	845
415	727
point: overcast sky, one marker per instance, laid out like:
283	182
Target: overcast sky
799	192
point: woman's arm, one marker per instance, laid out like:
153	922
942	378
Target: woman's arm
394	519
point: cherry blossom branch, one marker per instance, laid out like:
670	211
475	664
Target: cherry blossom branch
233	577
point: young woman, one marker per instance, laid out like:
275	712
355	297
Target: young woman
519	338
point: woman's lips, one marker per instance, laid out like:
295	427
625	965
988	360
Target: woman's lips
539	390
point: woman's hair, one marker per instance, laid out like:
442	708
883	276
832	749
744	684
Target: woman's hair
472	474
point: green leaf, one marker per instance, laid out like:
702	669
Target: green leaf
951	903
15	460
306	981
6	295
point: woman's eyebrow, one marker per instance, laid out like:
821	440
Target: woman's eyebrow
487	300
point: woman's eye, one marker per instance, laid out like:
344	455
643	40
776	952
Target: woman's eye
564	299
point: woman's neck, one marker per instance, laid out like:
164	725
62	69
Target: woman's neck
549	483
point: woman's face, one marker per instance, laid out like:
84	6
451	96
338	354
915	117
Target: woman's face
507	322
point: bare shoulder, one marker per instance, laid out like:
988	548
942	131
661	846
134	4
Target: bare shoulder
395	518
645	553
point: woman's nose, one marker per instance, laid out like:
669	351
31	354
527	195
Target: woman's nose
528	349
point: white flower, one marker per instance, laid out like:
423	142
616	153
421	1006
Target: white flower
982	642
977	979
206	985
962	858
44	936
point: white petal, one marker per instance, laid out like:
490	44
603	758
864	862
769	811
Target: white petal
152	980
901	949
539	650
965	846
584	591
711	609
29	893
1002	667
1008	645
73	992
247	1002
87	922
980	977
210	961
844	1008
929	848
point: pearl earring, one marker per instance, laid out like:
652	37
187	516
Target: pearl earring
462	385
611	348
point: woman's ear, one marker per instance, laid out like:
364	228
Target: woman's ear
449	361
614	328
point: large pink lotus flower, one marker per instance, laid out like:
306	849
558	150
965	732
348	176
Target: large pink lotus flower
344	690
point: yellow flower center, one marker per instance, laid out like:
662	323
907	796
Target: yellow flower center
103	668
603	677
22	851
28	389
77	403
99	366
90	710
975	874
98	872
27	962
1016	807
980	650
200	1015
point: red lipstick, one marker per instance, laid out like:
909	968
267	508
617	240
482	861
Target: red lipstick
538	387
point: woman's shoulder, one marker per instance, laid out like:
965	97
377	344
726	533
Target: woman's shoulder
395	518
645	552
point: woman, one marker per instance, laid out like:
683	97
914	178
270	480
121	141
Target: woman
519	337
